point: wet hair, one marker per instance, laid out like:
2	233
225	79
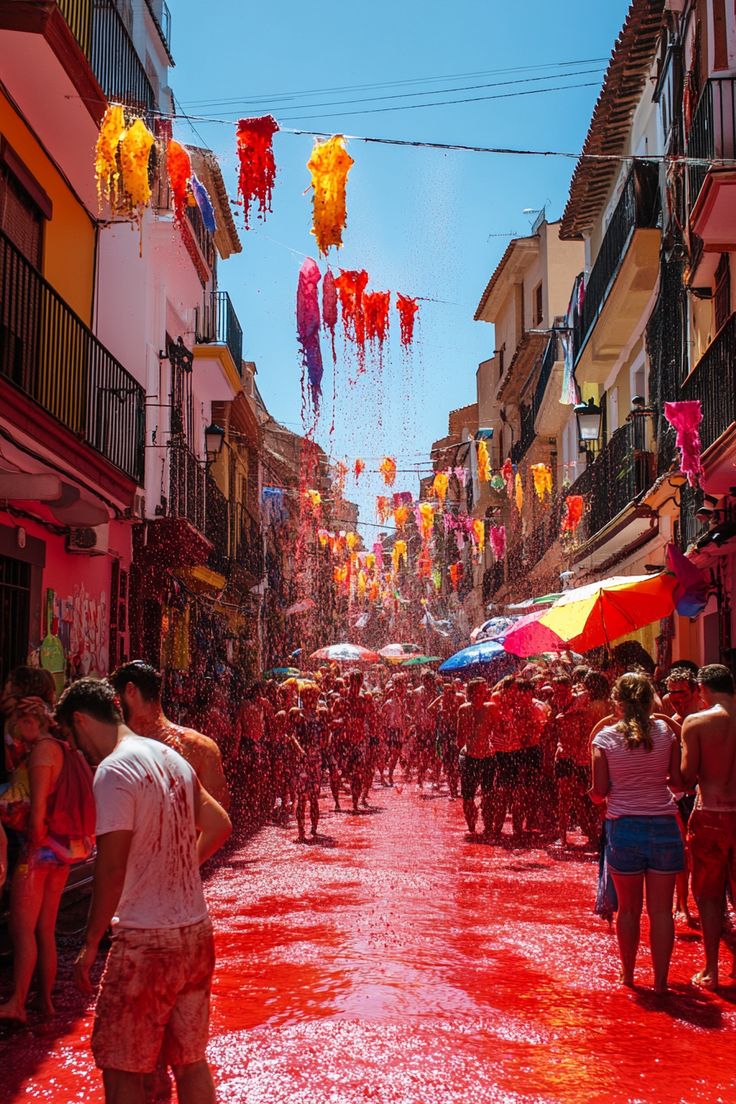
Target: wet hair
524	686
96	697
355	676
561	680
635	694
144	677
580	672
473	684
33	682
716	678
681	674
684	665
597	685
506	683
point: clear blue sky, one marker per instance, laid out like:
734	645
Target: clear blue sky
424	222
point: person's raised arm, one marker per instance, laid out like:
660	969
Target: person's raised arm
212	823
109	878
690	760
598	792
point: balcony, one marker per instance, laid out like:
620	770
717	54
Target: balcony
713	382
51	356
115	62
712	189
186	486
246	541
217	324
623	277
531	423
216	524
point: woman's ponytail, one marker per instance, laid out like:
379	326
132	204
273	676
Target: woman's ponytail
635	695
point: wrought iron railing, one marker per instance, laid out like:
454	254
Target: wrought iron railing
713	131
713	382
619	474
115	62
186	486
246	541
48	352
216	524
529	417
218	323
78	17
638	207
690	528
526	437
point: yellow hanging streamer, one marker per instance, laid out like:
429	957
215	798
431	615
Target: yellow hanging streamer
329	165
542	476
398	556
135	151
479	534
426	515
519	493
484	463
112	129
401	516
439	486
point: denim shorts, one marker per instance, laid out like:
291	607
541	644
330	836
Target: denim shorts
635	844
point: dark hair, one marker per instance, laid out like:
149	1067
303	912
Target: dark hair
635	694
681	674
355	676
506	683
475	682
524	686
716	678
143	676
33	682
597	685
95	697
562	680
684	665
580	672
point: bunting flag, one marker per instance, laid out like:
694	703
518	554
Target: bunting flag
329	166
329	307
519	493
387	468
179	168
507	474
307	324
383	508
135	152
542	476
574	506
440	484
407	309
497	537
426	514
257	174
203	201
112	129
358	468
685	418
484	462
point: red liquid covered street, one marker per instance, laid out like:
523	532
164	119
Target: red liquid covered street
393	961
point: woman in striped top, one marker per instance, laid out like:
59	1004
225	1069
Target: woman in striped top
634	762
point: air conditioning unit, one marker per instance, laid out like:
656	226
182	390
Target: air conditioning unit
88	540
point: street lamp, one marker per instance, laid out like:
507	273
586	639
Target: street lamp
588	417
214	439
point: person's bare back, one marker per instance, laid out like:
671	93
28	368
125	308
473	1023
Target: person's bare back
709	754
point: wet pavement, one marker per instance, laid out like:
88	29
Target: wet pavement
394	961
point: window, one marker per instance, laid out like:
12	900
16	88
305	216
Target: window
722	293
20	218
501	351
538	306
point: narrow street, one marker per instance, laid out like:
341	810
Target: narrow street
396	962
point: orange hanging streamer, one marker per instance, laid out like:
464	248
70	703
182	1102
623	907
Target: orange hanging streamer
329	165
112	129
351	285
314	498
359	468
362	581
439	486
484	463
401	516
324	537
542	476
519	493
574	506
257	175
456	574
424	564
179	168
375	308
479	534
426	519
383	508
352	540
135	152
407	309
387	467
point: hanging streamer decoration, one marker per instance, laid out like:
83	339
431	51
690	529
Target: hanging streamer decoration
685	418
440	484
329	307
542	476
519	493
202	198
107	173
179	167
401	516
398	555
351	285
574	506
383	508
257	175
329	166
484	462
359	468
507	474
497	537
135	152
307	324
407	308
387	468
456	573
426	514
424	564
375	309
479	534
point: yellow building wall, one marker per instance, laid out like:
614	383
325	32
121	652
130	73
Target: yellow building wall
69	239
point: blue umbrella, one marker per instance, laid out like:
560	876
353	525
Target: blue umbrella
487	658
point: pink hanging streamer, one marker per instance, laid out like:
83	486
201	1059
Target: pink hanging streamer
497	538
307	324
685	418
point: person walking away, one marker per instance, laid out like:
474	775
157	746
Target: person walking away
352	713
395	710
59	832
308	727
155	826
424	725
633	761
138	686
683	697
709	759
477	762
445	710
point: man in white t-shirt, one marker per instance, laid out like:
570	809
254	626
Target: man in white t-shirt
155	825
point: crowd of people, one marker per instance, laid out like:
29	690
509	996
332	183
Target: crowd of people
644	773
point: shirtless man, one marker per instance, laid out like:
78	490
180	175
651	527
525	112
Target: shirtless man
709	758
309	729
445	710
352	713
138	687
395	721
477	761
425	727
683	698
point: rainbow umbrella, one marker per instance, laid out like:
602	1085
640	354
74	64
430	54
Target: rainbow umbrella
590	616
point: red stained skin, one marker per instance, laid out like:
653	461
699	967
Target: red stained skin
396	962
257	176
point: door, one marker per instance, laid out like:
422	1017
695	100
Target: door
15	608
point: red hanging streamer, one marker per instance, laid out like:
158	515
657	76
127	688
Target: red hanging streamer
375	310
179	167
254	143
407	309
574	506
